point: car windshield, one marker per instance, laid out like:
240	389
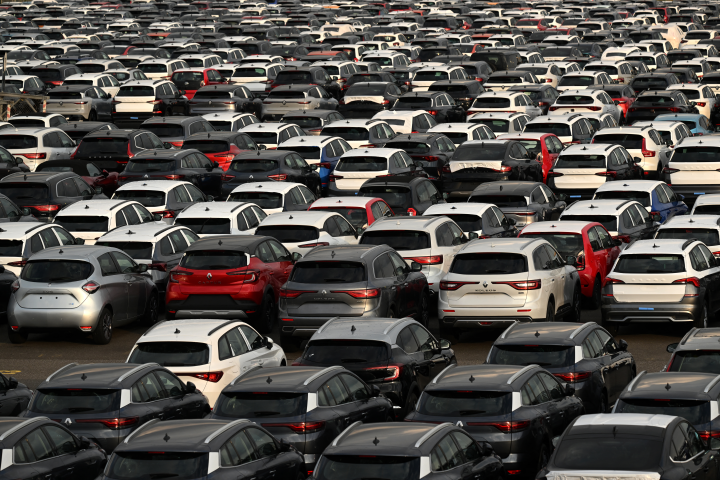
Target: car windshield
609	453
260	404
491	102
289	233
397	239
396	197
580	161
489	264
213	260
502	201
15	142
697	412
80	400
362	164
328	272
97	146
333	352
156	465
165	129
709	236
480	152
358	467
559	129
150	165
543	355
206	226
171	354
692	154
148	198
79	223
56	271
451	403
642	197
25	193
350	134
261	199
136	250
661	263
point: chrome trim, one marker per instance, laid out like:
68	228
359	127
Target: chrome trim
224	428
432	432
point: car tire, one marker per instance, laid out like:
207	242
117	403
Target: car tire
550	312
266	322
542	459
102	333
92	117
17	337
703	319
152	310
410	402
424	313
575	312
596	299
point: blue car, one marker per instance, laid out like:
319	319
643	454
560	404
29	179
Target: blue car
320	149
657	197
696	122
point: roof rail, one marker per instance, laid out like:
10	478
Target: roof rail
21	425
322	372
712	383
609	147
240	205
224	428
439	375
393	325
507	330
521	372
322	327
688	243
136	369
33	228
632	384
256	367
69	365
376	246
623	204
153	326
432	432
224	324
580	328
119	204
337	439
165	229
688	335
146	424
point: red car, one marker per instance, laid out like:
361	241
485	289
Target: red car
230	276
622	95
361	212
589	242
540	24
192	79
544	146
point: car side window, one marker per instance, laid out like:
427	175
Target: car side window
195	194
33	448
447	455
132	217
358	390
124	262
173	386
181	195
426	342
264	254
336	390
265	445
63	440
232	344
35	243
468	446
539	391
698	260
608	343
147	389
680	449
67	188
406	341
605	238
107	265
540	258
237	451
281	254
695	445
250	218
178	241
254	339
64	236
552	385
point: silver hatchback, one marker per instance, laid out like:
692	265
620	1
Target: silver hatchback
90	289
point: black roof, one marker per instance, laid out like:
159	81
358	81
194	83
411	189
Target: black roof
683	385
85	126
531	87
552	333
344	252
608	87
95	375
118	132
220	88
242	243
283	379
426	93
395	438
182	435
171	154
264	154
37	177
393	180
72	88
507	187
175	119
417	137
220	135
654	75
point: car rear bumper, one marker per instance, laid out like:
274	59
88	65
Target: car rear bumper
651	312
124	119
213	306
85	315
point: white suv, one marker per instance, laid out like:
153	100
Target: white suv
427	76
207	219
107	82
493	283
702	95
212	352
581	101
504	101
644	143
705	228
577	80
300	232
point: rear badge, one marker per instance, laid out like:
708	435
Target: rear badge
209	276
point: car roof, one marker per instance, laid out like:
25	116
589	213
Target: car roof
243	243
196	330
144	232
659	246
711	199
396	438
314	218
177	435
213	209
405	223
281	378
93	375
546	333
507	187
36	177
454	127
674	385
590	148
505	245
92	207
261	127
340	202
160	185
307	140
484	377
629	185
690	221
274	187
366	328
628	419
457	208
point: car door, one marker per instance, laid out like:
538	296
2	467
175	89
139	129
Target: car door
114	281
36	449
67	146
545	407
621	360
149	393
137	286
475	465
683	454
238	456
566	286
283	264
276	465
71	461
259	354
610	376
429	353
209	177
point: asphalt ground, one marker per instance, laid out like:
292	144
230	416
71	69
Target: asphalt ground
33	361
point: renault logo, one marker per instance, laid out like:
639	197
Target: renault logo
251	176
485	284
61	104
67	421
210	102
324	292
459	424
209	276
146	176
284	102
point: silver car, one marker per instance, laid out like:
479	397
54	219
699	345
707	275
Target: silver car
89	289
295	97
80	102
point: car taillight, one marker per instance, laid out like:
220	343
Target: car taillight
610	280
446	168
429	158
572	377
300	427
670	170
16	284
505	427
249	276
281	177
91	287
386	102
503	169
522	285
34	156
285	293
212	377
173	177
175	276
160	267
646	152
369	145
552	109
177	144
314	244
227	178
706	436
689	280
360	293
46	208
701	104
454	285
431	260
607	174
332	178
113	423
432	112
166	213
325	165
392	372
155	102
412	212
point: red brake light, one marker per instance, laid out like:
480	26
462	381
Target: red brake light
316	244
572	377
301	427
363	293
505	427
212	377
33	156
454	285
691	280
174	276
167	213
393	372
607	174
645	152
91	287
522	285
281	177
285	293
113	423
431	260
16	284
332	178
45	208
412	212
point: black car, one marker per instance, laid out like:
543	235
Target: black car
542	95
45	449
111	149
588	49
438	104
403	76
205	449
480	71
429	54
599	375
174	130
657	446
78	130
684	54
431	150
92	175
54	75
207	99
479	161
683	74
524	202
280	408
651	103
308	76
44	194
518	410
653	81
364	100
266	165
405	194
289	52
189	164
15	395
696	352
381	76
570	50
498	59
107	402
312	121
463	92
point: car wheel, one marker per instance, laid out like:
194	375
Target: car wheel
152	309
410	402
550	313
596	299
17	337
702	320
268	315
424	313
575	310
102	333
542	459
93	116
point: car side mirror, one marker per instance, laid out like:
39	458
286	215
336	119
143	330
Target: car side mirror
444	344
262	147
511	221
374	390
415	267
167	145
216	165
569	390
26	212
19	160
157	217
12	383
486	449
180	92
79	241
84	443
98	190
268	342
671	348
623	345
562	197
190	387
693	103
571	260
295	257
473	236
141	268
637	159
284	446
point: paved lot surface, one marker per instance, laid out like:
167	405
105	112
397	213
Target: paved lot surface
41	355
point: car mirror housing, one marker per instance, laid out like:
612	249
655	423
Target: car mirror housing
672	347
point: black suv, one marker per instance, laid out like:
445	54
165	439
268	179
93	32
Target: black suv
696	352
463	92
293	405
78	130
43	448
405	194
518	410
651	103
432	150
524	202
398	357
46	193
598	375
308	76
653	81
401	452
107	402
204	449
111	149
438	104
541	95
174	130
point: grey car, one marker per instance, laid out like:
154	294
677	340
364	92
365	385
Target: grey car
287	98
80	102
224	98
89	289
524	202
353	280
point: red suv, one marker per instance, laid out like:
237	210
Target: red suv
230	276
192	79
361	212
589	242
544	147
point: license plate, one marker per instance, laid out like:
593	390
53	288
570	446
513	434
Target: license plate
134	118
698	193
641	308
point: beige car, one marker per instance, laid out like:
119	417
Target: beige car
619	71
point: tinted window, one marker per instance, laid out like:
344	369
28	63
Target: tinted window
397	239
328	272
489	264
214	260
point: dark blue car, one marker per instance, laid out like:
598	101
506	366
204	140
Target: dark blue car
657	197
321	149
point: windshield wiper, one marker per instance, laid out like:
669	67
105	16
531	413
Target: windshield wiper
334	280
497	271
80	409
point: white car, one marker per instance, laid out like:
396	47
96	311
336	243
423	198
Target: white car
642	142
23	239
699	65
578	80
610	213
671	32
257	77
671	132
230	121
504	101
221	218
496	282
459	133
546	72
407	121
641	191
702	95
360	165
161	68
208	353
357	132
705	228
34	145
653	60
504	80
583	101
387	59
694	37
618	53
707	205
567	67
164	197
300	232
272	134
569	128
107	82
470	217
619	71
694	167
501	123
273	197
427	76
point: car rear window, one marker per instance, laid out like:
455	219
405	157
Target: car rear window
707	210
285	95
56	271
206	226
581	161
662	263
650	83
53	401
500	200
293	77
96	146
430	76
137	91
171	354
608	453
213	260
25	193
681	154
65	95
150	165
574	100
153	67
320	272
260	404
261	199
704	361
655	100
263	137
305	122
254	165
544	355
79	223
489	264
48	75
491	102
165	129
453	403
480	152
212	94
156	465
289	233
397	239
559	129
147	198
208	146
362	164
497	126
342	352
467	222
709	236
642	197
412	103
396	197
136	250
696	412
339	467
607	221
410	147
11	248
15	142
